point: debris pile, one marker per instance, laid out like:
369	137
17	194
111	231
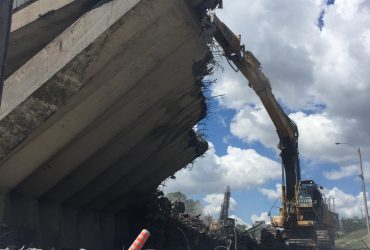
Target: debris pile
172	228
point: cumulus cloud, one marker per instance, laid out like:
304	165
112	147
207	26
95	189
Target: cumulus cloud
239	168
213	207
253	124
317	132
239	220
233	91
262	217
213	204
320	76
348	171
272	194
342	172
346	205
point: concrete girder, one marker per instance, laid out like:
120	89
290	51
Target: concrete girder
126	165
110	123
20	85
151	181
34	10
172	156
119	146
24	44
93	107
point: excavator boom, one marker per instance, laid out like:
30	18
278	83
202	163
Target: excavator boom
250	67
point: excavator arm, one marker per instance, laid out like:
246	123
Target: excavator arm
304	217
286	129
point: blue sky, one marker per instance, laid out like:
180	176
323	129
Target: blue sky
317	57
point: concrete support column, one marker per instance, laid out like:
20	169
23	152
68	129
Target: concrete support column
4	205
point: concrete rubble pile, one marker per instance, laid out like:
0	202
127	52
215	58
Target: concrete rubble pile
171	228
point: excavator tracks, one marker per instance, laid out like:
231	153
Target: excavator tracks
271	238
277	239
325	240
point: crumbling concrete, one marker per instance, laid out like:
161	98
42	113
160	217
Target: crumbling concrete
174	229
98	117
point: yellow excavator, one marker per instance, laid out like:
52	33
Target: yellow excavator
306	220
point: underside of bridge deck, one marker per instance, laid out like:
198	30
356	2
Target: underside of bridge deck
99	106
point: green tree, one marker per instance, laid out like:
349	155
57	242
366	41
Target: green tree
193	207
352	224
242	227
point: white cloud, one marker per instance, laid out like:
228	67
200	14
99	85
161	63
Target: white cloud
232	90
253	124
213	207
239	168
272	194
239	220
348	171
342	172
347	8
262	217
317	132
213	204
346	205
324	72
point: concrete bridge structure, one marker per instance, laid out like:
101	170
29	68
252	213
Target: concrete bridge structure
98	108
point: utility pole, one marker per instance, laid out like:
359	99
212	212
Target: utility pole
361	175
6	10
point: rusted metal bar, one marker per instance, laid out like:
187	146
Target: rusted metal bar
6	10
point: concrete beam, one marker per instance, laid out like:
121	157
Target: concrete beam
151	181
168	156
119	152
34	10
91	100
155	115
63	49
131	104
29	40
4	204
125	166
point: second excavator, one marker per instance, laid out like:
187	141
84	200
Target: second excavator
305	220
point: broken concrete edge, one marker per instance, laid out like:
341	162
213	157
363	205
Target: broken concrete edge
50	105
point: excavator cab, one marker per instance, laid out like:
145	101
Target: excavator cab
313	208
310	203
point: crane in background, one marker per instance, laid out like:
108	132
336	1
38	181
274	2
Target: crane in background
224	213
305	220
